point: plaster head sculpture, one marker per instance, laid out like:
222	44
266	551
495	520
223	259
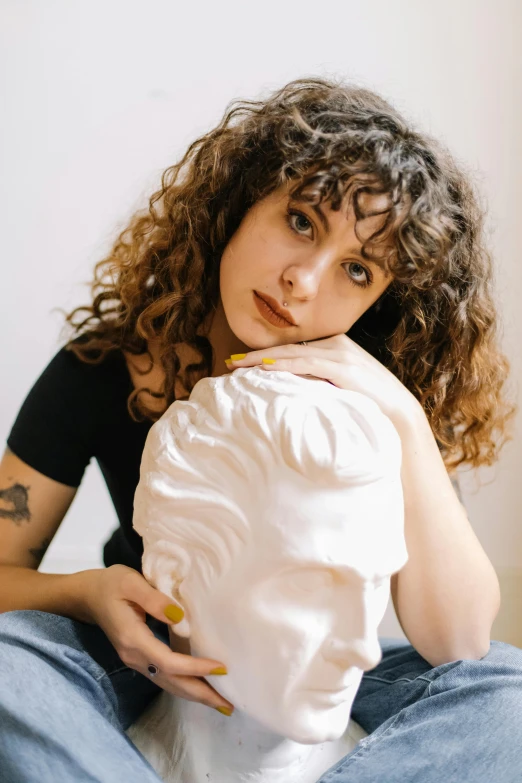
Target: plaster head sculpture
271	510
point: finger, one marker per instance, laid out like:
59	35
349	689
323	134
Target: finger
277	351
193	689
154	602
325	369
140	648
334	351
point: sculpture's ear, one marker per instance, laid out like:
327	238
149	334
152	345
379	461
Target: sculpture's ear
166	578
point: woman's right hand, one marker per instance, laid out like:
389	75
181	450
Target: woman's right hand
118	602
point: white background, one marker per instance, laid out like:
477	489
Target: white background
97	98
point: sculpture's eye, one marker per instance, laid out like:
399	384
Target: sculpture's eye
311	580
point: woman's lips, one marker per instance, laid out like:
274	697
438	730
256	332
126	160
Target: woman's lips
269	314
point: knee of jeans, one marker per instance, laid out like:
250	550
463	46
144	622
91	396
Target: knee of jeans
502	659
43	634
31	623
24	636
29	638
504	654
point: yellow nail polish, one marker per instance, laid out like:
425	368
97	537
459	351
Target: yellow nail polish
219	670
236	357
268	361
228	361
174	613
225	710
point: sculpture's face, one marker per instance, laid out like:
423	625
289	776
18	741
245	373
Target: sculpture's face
295	618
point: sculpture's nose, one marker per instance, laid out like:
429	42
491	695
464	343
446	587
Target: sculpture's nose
354	640
362	653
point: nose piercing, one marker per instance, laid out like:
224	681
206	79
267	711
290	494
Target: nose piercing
285	304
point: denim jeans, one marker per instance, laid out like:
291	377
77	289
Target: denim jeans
66	699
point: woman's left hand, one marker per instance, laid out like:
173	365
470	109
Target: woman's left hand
343	363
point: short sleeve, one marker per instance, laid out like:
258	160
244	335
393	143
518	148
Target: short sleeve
54	431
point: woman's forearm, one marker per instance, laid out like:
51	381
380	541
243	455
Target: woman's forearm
447	595
64	594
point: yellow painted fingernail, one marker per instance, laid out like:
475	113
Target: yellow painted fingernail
228	361
225	710
174	613
236	357
219	670
268	361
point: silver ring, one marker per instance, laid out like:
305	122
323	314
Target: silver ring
152	670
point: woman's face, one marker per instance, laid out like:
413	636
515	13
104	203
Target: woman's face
283	250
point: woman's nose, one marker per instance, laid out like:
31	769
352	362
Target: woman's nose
305	278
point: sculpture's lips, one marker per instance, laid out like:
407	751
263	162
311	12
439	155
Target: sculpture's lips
338	695
272	312
332	698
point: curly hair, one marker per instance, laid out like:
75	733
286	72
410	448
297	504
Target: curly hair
435	327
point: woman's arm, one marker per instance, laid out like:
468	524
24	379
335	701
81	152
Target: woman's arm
64	594
32	507
447	595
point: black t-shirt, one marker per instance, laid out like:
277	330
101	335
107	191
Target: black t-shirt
76	411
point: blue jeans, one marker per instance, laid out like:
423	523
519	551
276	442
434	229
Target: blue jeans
66	699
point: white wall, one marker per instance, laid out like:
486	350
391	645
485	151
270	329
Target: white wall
98	98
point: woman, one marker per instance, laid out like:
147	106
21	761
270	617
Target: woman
315	232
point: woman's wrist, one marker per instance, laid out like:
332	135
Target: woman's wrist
410	418
81	595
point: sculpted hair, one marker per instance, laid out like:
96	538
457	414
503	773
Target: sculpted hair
435	327
209	460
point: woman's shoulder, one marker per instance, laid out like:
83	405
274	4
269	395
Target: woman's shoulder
56	430
69	377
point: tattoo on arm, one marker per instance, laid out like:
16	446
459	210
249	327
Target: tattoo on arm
16	497
40	552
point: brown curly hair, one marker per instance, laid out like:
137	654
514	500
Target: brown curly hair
435	326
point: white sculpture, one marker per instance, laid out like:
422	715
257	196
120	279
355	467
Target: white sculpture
271	510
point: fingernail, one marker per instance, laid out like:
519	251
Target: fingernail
174	613
228	362
236	357
268	361
225	710
219	670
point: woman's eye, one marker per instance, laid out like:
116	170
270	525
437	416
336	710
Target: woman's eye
298	222
358	274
